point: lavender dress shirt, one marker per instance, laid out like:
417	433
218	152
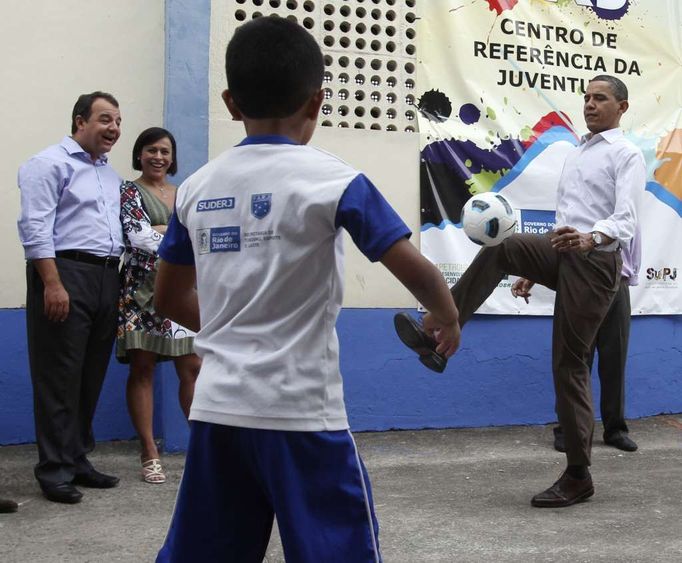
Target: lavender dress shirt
69	202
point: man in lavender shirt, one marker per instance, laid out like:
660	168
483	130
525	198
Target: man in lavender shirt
71	234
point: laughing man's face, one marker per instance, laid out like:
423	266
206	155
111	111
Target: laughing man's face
100	132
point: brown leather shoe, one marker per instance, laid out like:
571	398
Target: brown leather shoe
413	335
565	492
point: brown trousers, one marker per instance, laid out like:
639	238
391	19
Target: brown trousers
611	345
585	284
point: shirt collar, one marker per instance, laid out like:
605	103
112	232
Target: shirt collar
610	135
73	148
267	140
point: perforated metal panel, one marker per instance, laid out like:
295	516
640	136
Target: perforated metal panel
370	56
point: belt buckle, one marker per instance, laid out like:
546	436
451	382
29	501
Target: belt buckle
110	260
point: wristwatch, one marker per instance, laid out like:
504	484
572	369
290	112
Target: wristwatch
597	239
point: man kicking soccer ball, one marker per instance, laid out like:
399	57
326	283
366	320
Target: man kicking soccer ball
597	204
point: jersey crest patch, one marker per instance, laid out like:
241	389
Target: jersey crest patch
260	205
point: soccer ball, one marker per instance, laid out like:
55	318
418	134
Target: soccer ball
488	219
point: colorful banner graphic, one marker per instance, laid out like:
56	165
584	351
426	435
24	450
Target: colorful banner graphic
501	84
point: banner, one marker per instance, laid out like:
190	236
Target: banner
501	85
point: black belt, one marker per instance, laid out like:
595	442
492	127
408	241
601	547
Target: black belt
80	256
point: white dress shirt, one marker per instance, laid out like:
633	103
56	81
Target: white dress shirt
632	258
601	187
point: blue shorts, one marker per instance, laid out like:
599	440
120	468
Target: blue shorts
237	479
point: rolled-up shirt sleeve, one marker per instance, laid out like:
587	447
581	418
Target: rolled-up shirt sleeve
371	222
40	184
630	183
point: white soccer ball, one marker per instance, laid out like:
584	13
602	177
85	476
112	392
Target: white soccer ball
488	218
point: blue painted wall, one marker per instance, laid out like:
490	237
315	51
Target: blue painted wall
500	376
16	397
185	111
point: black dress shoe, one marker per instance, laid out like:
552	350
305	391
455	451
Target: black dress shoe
95	480
62	492
7	505
565	492
559	441
621	441
414	337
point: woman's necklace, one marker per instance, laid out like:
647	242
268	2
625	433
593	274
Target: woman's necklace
162	190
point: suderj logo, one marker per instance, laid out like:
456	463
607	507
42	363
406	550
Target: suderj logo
216	204
664	274
606	9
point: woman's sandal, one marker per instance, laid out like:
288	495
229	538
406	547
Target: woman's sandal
152	472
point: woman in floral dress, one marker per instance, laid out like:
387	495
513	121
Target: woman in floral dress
144	338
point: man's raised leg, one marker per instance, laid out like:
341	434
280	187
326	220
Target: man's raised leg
530	256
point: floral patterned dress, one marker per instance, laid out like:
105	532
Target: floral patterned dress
138	325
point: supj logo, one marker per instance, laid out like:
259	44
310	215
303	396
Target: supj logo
664	274
607	9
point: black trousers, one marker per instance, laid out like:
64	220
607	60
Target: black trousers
585	285
68	362
612	349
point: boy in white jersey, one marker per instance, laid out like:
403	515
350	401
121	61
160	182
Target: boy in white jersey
258	228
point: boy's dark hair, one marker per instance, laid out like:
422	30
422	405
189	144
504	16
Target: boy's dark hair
273	67
618	87
149	137
83	106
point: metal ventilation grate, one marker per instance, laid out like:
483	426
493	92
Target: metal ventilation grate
370	57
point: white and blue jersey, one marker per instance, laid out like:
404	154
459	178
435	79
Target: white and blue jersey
261	223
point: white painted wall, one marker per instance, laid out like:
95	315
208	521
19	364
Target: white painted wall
389	159
53	51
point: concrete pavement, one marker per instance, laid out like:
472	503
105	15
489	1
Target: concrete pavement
441	496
